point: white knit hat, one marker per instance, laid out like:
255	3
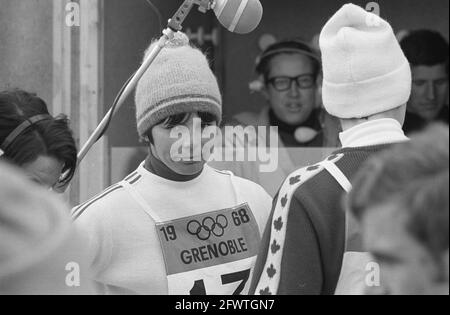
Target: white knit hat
365	70
179	81
37	241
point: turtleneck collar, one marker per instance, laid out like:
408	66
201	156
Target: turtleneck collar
158	168
371	133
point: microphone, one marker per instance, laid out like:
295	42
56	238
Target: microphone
238	16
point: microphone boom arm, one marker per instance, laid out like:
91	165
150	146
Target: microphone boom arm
182	13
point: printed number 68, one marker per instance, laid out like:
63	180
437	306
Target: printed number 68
240	217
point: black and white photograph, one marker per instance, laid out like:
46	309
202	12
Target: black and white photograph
224	154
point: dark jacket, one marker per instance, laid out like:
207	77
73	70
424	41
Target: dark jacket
316	232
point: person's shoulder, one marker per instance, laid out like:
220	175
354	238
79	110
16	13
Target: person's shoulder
113	197
310	178
246	186
106	200
219	174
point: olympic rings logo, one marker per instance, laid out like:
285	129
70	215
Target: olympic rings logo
208	227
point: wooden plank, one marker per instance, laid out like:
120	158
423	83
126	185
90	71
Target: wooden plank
74	94
61	103
78	90
94	170
62	78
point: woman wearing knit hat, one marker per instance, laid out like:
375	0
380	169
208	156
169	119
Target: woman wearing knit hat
175	225
367	83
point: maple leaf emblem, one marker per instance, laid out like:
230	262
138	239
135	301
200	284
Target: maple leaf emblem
284	201
332	157
312	168
271	272
278	224
294	180
266	291
275	247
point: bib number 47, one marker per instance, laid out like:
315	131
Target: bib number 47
241	277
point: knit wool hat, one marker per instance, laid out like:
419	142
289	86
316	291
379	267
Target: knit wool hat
38	244
179	81
365	70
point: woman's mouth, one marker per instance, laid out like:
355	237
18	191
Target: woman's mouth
294	107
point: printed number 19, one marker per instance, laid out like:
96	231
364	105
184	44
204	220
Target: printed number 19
169	233
242	276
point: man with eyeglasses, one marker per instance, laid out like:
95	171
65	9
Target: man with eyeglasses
289	72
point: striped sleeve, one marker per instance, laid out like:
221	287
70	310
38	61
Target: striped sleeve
78	211
133	178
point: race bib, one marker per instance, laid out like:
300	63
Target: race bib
210	254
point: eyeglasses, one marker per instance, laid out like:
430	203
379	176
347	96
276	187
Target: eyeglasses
281	84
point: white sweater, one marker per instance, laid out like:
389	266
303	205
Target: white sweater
125	250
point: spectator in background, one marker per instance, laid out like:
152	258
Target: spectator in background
401	199
289	73
43	146
289	79
40	251
427	52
